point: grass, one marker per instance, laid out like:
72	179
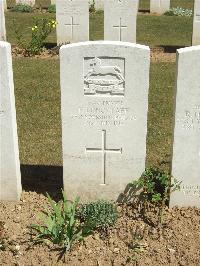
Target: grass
151	30
145	4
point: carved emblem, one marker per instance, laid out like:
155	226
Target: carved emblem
103	79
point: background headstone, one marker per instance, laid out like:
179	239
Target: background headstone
159	6
27	2
104	94
73	21
186	146
196	23
120	20
2	22
10	179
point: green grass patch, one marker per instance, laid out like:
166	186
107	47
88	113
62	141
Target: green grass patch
151	30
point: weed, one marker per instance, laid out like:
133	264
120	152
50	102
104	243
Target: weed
60	224
40	30
22	8
155	187
179	11
92	7
100	214
52	9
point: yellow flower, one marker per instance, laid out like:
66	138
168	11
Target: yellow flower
33	29
36	27
54	26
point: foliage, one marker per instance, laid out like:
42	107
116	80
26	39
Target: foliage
52	9
179	11
92	7
156	186
60	224
22	8
100	214
40	31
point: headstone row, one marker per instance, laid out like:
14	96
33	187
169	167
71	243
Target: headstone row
73	20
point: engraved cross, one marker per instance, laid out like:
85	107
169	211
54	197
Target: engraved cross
72	24
103	150
120	27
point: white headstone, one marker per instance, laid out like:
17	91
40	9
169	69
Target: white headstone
10	179
159	6
2	22
73	21
120	20
26	2
5	4
196	23
104	94
186	145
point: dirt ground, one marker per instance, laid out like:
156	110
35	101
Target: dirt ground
132	241
157	54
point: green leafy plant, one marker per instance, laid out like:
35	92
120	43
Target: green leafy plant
179	11
156	186
92	7
60	224
52	9
39	32
22	8
100	214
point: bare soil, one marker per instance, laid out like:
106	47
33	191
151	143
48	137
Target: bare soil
132	241
157	54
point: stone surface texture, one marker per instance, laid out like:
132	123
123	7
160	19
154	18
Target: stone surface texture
27	2
104	95
159	6
196	23
186	144
120	20
10	178
2	22
73	21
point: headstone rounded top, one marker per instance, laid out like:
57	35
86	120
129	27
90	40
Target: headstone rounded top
95	43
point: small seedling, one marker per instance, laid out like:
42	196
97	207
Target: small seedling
155	187
60	224
101	214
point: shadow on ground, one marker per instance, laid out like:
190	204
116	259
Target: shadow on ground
170	48
42	179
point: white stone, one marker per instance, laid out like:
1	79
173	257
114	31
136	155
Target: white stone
26	2
186	144
10	179
73	21
104	95
120	20
2	22
5	4
159	6
196	23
